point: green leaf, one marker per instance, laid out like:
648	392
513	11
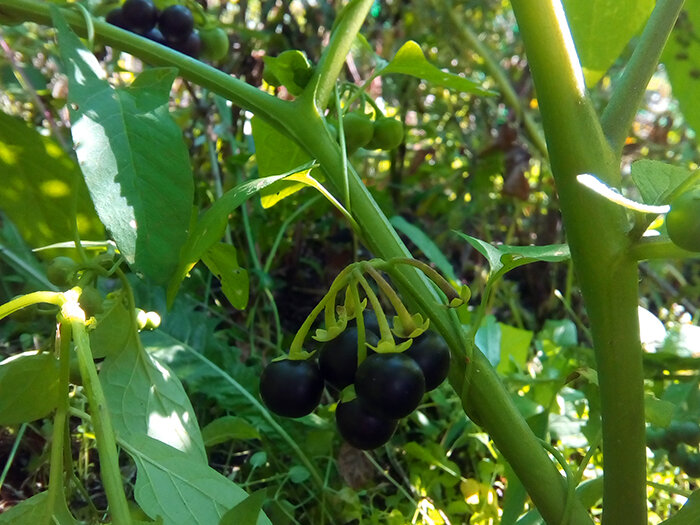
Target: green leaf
35	511
287	68
247	511
112	329
180	489
681	57
228	428
211	225
515	346
503	258
146	397
658	411
488	339
298	474
689	513
426	245
222	261
656	180
276	153
132	155
36	172
601	30
410	60
28	387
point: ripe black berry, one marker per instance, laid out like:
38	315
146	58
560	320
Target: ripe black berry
176	23
191	46
360	428
116	18
433	358
141	15
389	385
155	35
338	358
291	388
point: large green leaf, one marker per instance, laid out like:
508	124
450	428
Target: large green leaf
410	60
28	387
145	397
133	157
37	173
601	30
682	60
170	484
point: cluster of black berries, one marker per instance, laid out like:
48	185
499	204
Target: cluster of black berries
388	386
172	27
680	439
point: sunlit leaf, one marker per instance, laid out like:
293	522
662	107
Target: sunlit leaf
601	30
36	172
132	155
410	60
681	58
145	397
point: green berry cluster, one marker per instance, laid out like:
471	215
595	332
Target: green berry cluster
362	132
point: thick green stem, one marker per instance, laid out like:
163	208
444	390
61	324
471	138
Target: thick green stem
329	67
596	232
630	88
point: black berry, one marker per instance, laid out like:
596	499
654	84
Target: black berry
141	15
176	23
390	385
362	429
291	388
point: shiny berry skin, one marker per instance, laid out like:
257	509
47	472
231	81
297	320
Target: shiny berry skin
361	428
683	221
388	134
215	43
433	357
176	23
389	385
338	358
155	35
358	129
191	46
141	15
291	388
116	18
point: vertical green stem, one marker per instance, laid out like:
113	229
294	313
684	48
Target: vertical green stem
596	233
623	105
102	423
56	475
